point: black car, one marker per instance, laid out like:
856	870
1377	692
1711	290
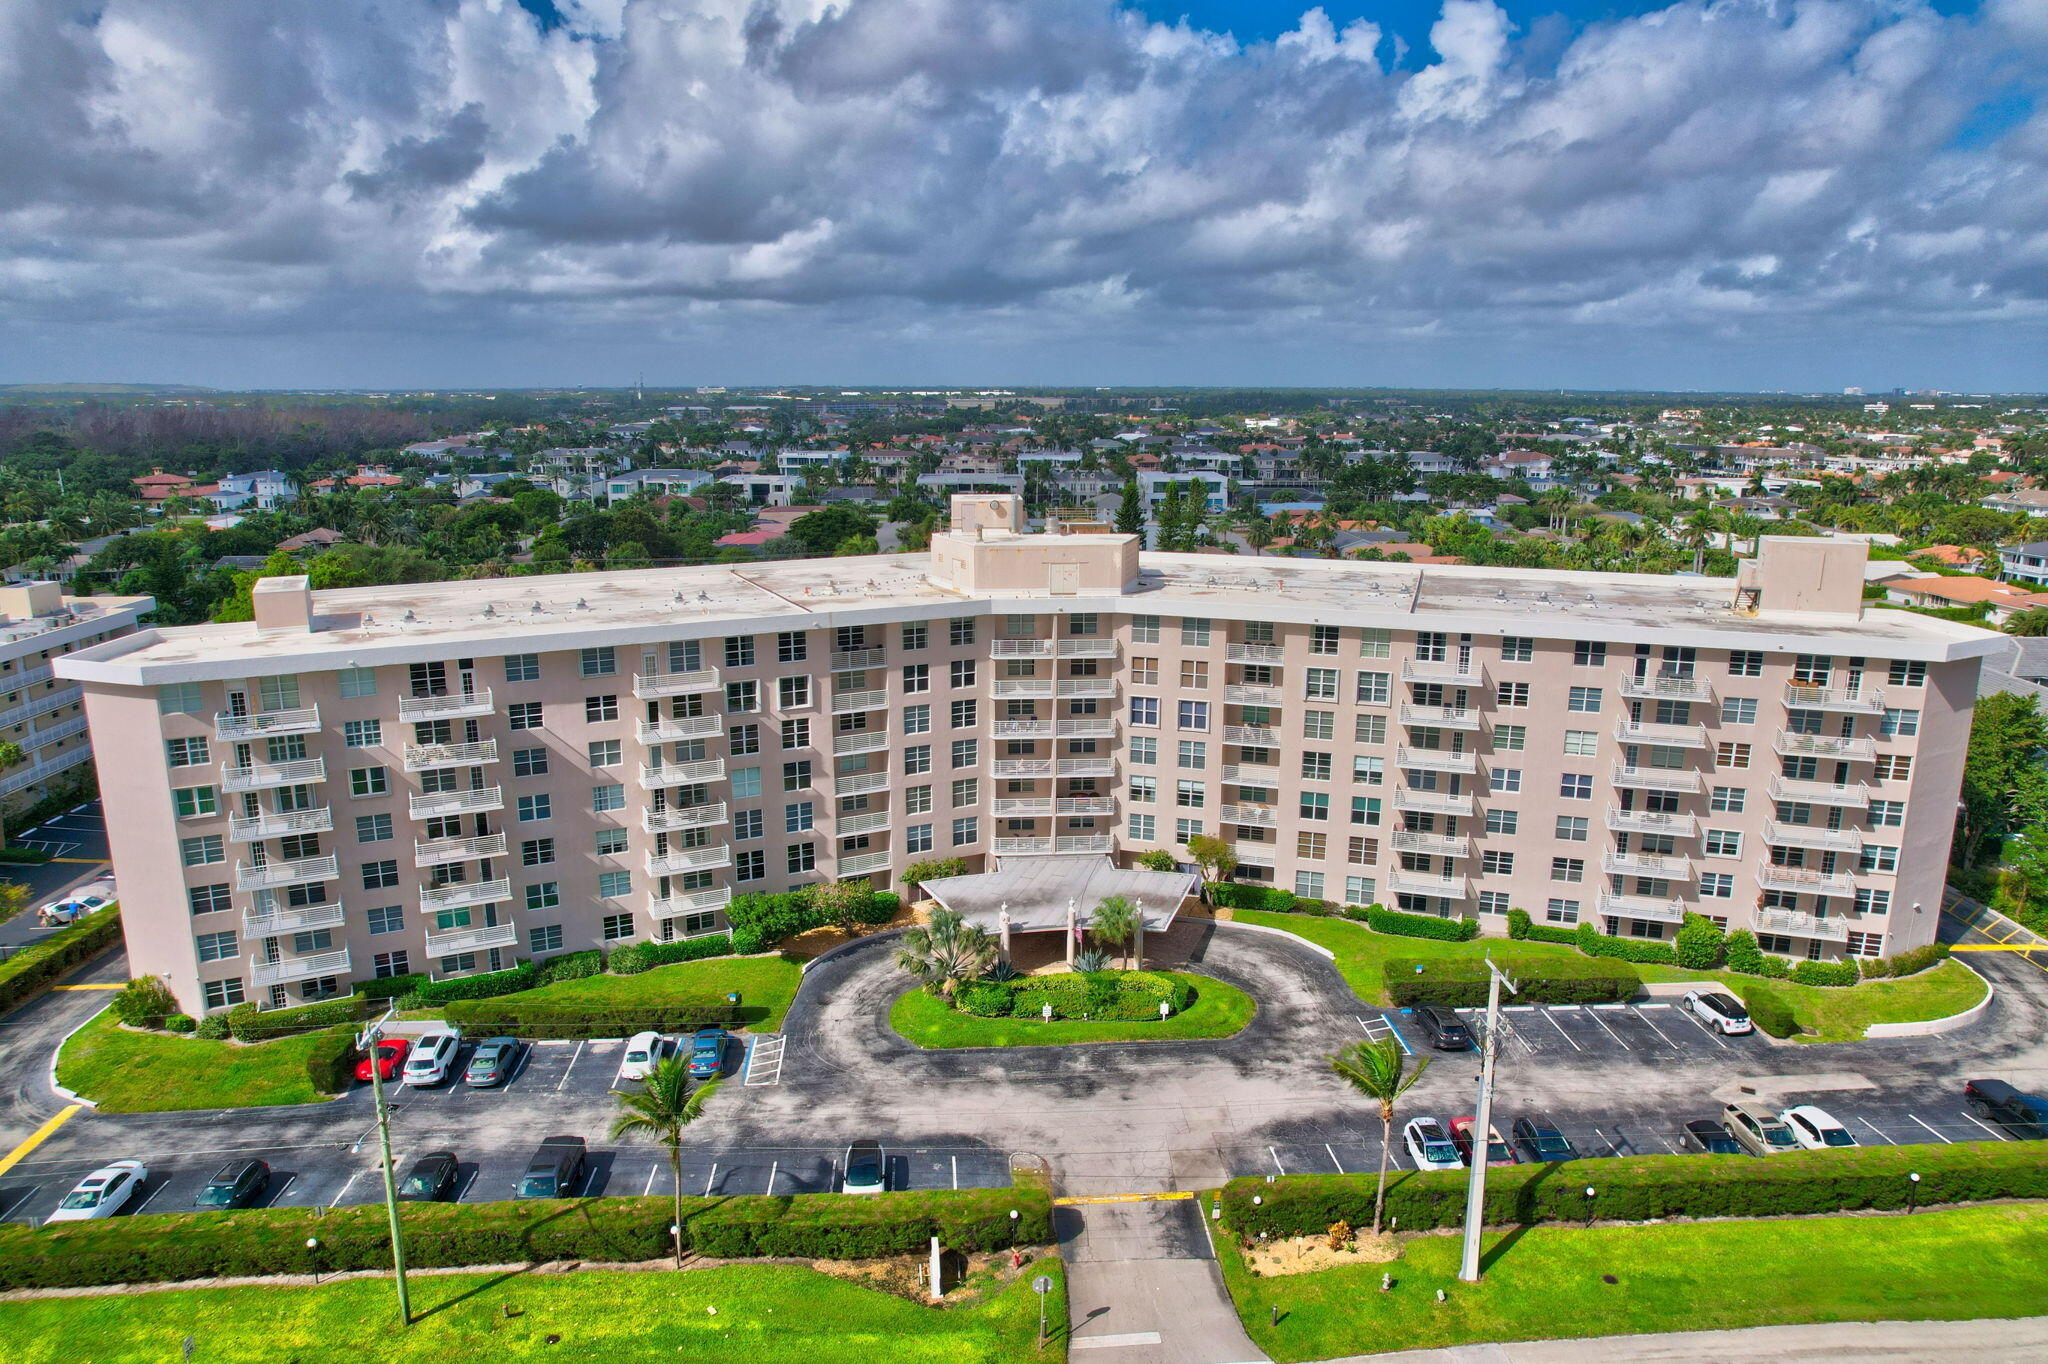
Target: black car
556	1169
1708	1137
431	1178
1539	1141
2023	1115
1443	1028
237	1184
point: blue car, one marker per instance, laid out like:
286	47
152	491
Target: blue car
707	1053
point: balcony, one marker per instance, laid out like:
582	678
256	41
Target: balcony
648	686
866	822
1432	845
863	864
427	757
1652	822
1024	729
288	969
688	902
1252	736
1101	766
1801	925
681	774
1439	760
1844	700
860	741
1257	857
1440	717
860	783
1654	865
1021	648
255	876
462	940
845	660
1643	907
304	720
432	852
1468	673
1405	882
1807	836
1239	694
429	805
273	923
1023	807
1662	736
465	893
1023	767
1087	729
279	824
262	776
851	702
679	729
1019	688
1656	778
1668	687
1086	688
1410	800
1267	655
1826	746
683	817
680	860
1805	880
454	706
1038	847
1265	815
1076	647
1249	774
1852	794
1085	805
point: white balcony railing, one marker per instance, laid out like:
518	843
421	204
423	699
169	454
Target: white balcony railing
1264	815
1406	882
848	702
433	852
1098	728
1439	717
1805	879
863	864
454	706
1025	847
1021	648
1807	836
1085	805
1849	700
42	705
464	893
860	741
1654	865
1643	907
1431	802
1801	925
1251	774
1656	778
860	783
274	923
845	660
302	720
1088	647
688	902
1086	688
279	824
1661	736
1267	655
480	800
677	729
1101	765
1852	794
648	686
1023	807
1238	694
1023	767
261	776
462	940
1668	687
679	860
655	778
427	757
287	969
1252	736
1469	673
866	822
684	817
1826	746
1022	688
1024	729
1438	760
1432	845
1652	822
252	876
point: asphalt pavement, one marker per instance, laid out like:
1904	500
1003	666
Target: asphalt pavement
77	842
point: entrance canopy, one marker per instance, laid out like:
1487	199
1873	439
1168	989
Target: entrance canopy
1036	891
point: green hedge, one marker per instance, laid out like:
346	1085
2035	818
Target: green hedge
1769	1012
35	856
1461	982
578	1019
1833	973
1104	996
1908	963
524	976
1405	925
247	1024
40	965
331	1064
636	957
1640	1188
1597	944
172	1247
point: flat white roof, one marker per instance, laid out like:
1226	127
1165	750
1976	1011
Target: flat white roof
1036	891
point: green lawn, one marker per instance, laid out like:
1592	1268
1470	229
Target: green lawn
1219	1010
766	986
1545	1283
1828	1015
137	1072
766	1314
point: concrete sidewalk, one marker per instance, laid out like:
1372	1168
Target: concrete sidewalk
2018	1341
1142	1287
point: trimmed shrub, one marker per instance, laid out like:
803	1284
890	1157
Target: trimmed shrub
331	1064
1642	1188
629	960
1553	933
983	999
40	965
212	1028
1700	945
1826	973
770	918
1105	996
1596	944
391	987
246	1024
570	966
1918	959
1157	859
145	1002
881	907
688	949
932	869
575	1020
524	976
1461	982
1770	1013
26	855
747	942
1742	953
1405	925
181	1023
1519	923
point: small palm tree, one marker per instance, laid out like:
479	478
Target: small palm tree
1379	1071
661	1109
1115	921
946	952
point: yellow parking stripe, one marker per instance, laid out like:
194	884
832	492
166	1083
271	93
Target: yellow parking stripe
35	1139
85	987
83	861
1126	1198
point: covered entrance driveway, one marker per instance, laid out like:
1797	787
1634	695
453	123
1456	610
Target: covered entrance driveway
1059	894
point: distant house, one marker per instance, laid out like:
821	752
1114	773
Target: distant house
320	537
2031	501
1152	485
768	490
264	490
656	482
160	486
2026	563
365	476
2004	601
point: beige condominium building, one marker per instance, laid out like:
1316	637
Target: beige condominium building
448	777
43	713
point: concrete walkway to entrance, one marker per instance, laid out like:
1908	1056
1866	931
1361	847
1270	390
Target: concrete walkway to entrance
1847	1342
1143	1288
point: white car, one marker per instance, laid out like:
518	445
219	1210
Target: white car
432	1058
643	1052
75	905
1429	1146
1815	1129
1719	1010
102	1193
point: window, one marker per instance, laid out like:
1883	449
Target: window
1897	723
792	693
1144	789
746	824
522	667
1375	643
387	919
1511	738
1142	827
278	693
1574	828
742	697
743	740
523	715
1517	649
1728	799
1745	663
1870	900
1907	673
600	708
1892	767
1717	885
1194	632
612	884
1567	868
600	662
1722	843
917	800
1141	748
1581	743
1145	710
1368	771
1575	786
1185	829
1194	673
1308	885
1322	684
609	796
1144	672
1887	814
798	817
544	938
1320	724
1191	794
539	806
960	630
216	946
1589	653
965	830
209	899
1503	821
961	672
369	781
1511	694
1497	864
189	752
180	698
917	636
380	875
917	838
1878	857
751	865
1504	779
1373	689
220	994
614	927
192	802
537	852
1583	699
604	753
1193	715
1322	639
917	677
966	791
1494	902
199	852
739	651
966	752
373	828
791	647
917	758
1144	629
530	762
797	775
1864	945
1192	753
1369	729
917	719
1730	754
1561	912
1315	766
1315	805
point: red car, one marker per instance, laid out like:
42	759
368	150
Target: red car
1498	1152
390	1058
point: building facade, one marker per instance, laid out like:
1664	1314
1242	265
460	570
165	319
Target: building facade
40	711
448	777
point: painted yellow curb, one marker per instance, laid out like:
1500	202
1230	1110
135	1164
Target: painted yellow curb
35	1139
1998	947
85	987
82	861
1125	1198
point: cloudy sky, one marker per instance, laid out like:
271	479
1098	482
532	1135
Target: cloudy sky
1734	193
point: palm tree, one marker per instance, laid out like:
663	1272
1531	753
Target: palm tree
1379	1071
946	952
1115	920
661	1109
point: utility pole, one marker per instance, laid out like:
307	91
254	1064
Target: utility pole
1482	1127
367	1041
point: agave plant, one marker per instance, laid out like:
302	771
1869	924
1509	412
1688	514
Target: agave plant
1093	959
945	952
1001	971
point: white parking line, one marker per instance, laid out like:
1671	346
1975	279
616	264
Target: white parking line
764	1060
1880	1131
650	1181
278	1197
1276	1160
1654	1028
571	1066
1333	1158
344	1190
152	1195
956	1172
1712	1036
1916	1118
26	1195
1986	1126
1594	1014
710	1179
1561	1032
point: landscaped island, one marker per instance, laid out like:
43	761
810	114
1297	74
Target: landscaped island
1095	1006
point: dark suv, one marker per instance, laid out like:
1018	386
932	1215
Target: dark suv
1442	1027
237	1184
2023	1115
556	1169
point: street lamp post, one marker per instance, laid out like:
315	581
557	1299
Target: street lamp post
367	1041
1482	1127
